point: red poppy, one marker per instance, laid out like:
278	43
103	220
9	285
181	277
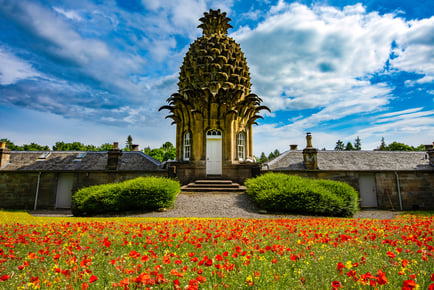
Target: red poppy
336	285
4	277
92	279
408	284
391	254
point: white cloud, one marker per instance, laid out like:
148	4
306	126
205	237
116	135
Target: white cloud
14	69
415	49
70	14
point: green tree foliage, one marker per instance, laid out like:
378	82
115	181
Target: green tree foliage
263	158
166	152
271	156
105	147
349	147
129	143
357	144
397	146
74	146
339	145
276	153
26	147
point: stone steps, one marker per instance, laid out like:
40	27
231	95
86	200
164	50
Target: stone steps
208	185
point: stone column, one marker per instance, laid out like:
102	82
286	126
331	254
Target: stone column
310	154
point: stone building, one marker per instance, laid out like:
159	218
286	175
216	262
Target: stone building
214	109
47	179
399	180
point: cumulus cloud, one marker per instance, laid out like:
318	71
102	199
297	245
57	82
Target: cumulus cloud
14	69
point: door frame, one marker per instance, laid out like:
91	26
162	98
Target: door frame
368	191
214	135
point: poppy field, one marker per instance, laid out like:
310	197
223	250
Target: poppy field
144	253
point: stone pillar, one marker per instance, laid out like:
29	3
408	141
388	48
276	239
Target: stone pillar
430	153
114	157
310	154
5	154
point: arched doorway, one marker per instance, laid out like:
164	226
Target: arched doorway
214	152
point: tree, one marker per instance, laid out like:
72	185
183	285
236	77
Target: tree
271	156
276	153
357	144
396	146
383	146
263	158
349	147
105	147
129	143
339	145
166	152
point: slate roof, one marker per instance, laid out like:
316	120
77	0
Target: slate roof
354	161
68	161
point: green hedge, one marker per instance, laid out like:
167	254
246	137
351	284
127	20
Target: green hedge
143	193
293	194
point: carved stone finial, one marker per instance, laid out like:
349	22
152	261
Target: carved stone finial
215	21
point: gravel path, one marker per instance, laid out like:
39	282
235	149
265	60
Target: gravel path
223	205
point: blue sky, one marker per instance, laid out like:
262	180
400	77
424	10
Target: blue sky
97	71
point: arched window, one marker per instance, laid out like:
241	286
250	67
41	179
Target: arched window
241	146
187	146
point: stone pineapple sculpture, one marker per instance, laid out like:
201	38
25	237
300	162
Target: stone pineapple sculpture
214	84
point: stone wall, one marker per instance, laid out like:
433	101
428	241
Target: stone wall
416	187
18	189
188	172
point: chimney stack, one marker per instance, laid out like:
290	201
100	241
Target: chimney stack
5	154
135	147
430	153
310	154
114	157
293	146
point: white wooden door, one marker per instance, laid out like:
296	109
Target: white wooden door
64	190
214	155
368	193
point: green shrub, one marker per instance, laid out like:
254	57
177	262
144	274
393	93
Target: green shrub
143	193
289	193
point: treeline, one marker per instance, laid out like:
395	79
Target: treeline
394	146
264	158
166	152
59	146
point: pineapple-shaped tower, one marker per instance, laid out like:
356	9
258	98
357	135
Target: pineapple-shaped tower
214	109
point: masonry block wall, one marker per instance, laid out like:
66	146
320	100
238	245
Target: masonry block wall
18	189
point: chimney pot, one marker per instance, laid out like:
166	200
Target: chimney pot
115	145
2	145
135	147
293	146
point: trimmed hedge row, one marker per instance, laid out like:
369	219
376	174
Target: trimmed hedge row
289	193
143	193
